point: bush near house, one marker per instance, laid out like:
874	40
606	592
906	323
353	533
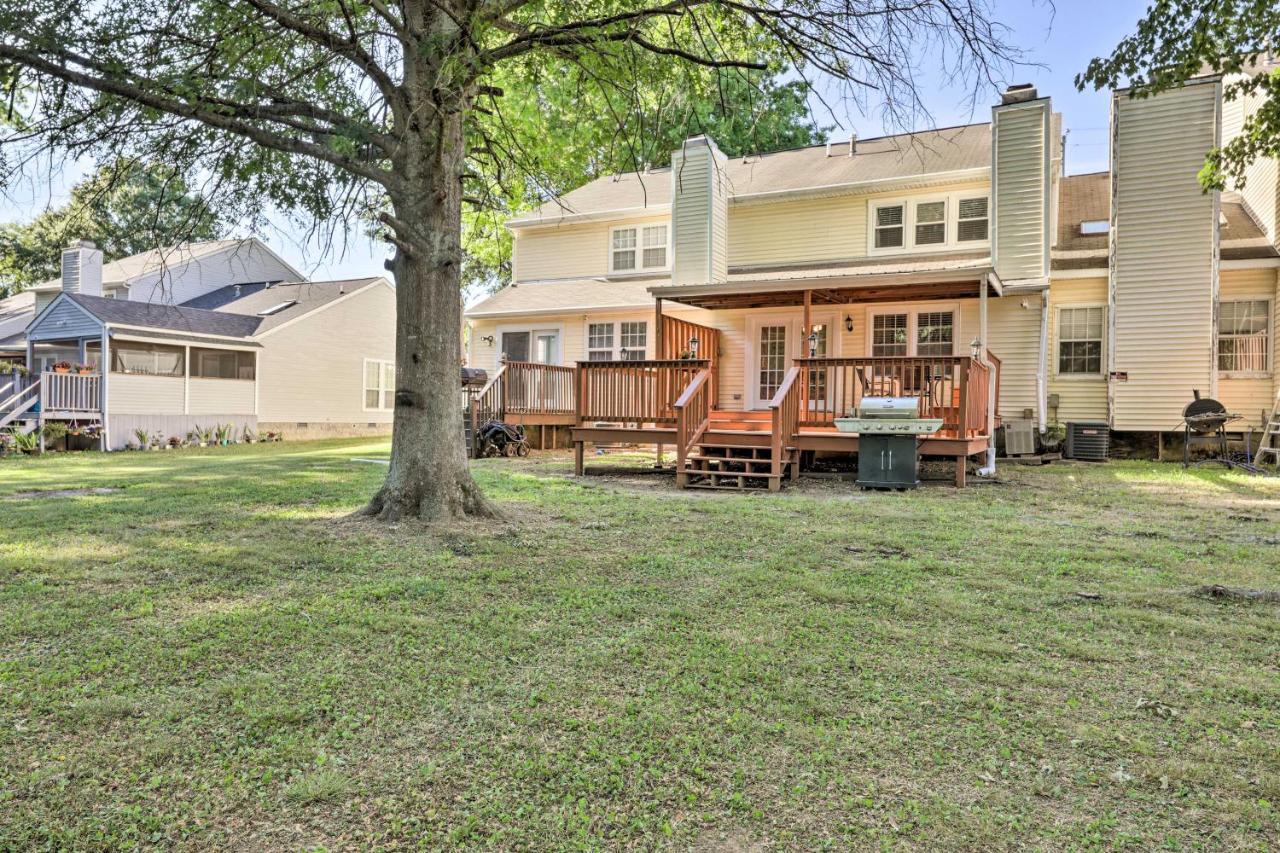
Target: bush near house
207	655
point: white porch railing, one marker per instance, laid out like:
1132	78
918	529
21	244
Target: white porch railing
70	392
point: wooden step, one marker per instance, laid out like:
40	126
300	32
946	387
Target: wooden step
753	416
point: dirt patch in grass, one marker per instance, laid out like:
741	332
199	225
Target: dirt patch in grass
61	493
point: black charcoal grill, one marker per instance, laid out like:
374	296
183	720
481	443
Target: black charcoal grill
1204	421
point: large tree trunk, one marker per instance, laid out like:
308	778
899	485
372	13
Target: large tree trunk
429	477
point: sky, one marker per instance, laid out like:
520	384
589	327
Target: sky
1058	43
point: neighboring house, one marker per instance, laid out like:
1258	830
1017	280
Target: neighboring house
250	346
1106	298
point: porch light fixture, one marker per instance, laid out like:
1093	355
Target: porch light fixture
848	322
693	345
488	339
813	345
975	348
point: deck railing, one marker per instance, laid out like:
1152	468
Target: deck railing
634	391
70	392
953	388
785	414
17	398
693	416
677	338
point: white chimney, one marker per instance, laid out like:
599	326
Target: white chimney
699	213
82	268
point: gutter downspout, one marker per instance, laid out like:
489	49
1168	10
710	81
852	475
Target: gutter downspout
1042	380
988	470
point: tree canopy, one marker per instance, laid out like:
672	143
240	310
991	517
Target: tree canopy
125	208
1181	39
745	112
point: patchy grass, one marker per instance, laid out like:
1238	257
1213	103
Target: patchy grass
211	656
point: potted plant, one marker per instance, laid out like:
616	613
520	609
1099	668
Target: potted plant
174	441
141	439
62	367
157	440
223	434
25	442
17	368
85	369
54	431
248	436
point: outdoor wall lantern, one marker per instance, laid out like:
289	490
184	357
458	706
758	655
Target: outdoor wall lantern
813	345
693	345
848	322
488	339
975	348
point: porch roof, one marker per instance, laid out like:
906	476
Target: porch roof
951	279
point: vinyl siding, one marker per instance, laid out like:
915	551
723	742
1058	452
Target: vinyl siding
186	280
1080	398
569	251
1014	334
820	229
1020	186
1251	397
313	370
65	320
221	397
1262	178
699	216
129	394
1163	242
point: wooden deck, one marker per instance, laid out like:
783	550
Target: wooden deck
672	403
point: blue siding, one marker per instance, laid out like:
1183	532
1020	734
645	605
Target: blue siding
64	320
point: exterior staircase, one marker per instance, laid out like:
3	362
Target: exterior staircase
735	452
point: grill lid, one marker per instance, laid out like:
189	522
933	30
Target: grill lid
898	408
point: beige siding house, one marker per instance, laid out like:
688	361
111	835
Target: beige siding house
304	358
1107	297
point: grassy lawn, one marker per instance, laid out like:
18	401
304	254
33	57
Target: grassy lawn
210	656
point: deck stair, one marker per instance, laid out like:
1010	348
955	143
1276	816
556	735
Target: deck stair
734	453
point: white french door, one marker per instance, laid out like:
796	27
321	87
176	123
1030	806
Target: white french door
773	344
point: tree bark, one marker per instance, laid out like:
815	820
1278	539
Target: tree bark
429	477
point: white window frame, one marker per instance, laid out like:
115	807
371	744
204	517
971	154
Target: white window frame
616	348
1055	353
951	219
913	310
1269	366
638	250
384	394
533	329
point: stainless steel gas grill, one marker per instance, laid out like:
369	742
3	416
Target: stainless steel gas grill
888	431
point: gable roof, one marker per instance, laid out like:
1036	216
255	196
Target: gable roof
15	313
814	168
174	318
305	296
125	270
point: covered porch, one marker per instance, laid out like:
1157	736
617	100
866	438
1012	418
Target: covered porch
686	399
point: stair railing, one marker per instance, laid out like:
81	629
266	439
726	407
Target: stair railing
19	403
784	411
487	404
693	416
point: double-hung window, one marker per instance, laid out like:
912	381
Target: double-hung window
909	332
972	220
931	223
952	221
889	226
1080	341
638	248
624	341
1244	336
379	385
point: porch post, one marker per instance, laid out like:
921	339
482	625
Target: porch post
657	329
82	350
31	358
104	367
805	331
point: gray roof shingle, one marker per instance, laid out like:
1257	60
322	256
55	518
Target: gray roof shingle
174	318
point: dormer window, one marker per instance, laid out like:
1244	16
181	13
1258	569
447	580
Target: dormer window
638	248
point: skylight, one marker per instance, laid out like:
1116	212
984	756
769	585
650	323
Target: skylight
276	309
1094	226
